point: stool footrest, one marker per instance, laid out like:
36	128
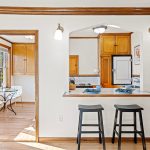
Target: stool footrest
128	125
86	132
128	132
90	125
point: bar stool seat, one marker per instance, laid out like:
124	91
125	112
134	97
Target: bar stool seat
91	108
132	109
128	108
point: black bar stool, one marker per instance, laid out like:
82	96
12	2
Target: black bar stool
91	108
134	109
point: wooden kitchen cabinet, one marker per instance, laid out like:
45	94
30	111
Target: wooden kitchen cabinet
30	60
123	44
115	43
112	44
105	71
107	44
73	65
23	59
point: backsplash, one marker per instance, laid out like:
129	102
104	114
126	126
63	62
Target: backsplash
86	80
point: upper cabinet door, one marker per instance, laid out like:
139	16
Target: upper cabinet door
30	54
19	59
123	44
107	43
73	65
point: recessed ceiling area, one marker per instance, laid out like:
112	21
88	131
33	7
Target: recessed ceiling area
88	32
19	38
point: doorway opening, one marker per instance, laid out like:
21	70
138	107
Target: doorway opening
19	113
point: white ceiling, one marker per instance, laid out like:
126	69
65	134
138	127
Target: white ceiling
88	32
18	38
76	3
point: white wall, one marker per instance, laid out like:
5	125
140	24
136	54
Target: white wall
87	49
135	41
28	86
54	71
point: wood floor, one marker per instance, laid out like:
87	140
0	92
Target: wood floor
18	127
66	146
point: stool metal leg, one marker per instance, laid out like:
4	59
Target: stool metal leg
102	129
120	130
99	126
80	129
135	128
142	130
115	122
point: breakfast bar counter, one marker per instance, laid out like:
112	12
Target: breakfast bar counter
106	92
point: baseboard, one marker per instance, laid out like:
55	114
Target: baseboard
25	102
86	139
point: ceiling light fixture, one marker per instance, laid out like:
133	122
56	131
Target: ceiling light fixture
58	33
100	29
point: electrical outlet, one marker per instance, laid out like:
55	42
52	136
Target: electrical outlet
60	118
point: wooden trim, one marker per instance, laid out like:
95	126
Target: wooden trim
37	84
86	75
5	46
86	139
25	102
35	33
17	32
106	95
83	37
22	43
75	10
116	34
6	39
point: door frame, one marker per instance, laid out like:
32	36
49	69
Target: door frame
35	33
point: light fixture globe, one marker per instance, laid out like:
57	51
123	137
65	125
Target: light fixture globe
58	33
100	29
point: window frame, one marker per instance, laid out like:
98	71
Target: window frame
9	69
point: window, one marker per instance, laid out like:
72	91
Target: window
3	67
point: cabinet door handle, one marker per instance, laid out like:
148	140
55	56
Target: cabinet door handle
113	70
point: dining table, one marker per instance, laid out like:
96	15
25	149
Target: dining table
6	96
